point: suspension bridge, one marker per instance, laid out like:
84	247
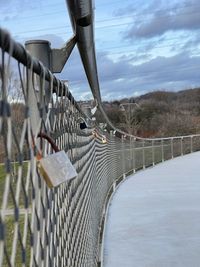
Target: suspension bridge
62	225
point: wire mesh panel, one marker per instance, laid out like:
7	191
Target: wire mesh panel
148	153
176	147
157	151
195	142
118	158
167	149
127	155
139	156
186	145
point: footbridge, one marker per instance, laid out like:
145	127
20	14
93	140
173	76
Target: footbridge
45	221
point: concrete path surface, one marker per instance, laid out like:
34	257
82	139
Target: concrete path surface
154	217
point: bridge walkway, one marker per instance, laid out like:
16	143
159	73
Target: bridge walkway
154	217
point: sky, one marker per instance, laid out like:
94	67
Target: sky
141	46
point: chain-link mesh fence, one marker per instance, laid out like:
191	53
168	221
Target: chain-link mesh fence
60	226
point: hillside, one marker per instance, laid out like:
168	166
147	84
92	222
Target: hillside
157	113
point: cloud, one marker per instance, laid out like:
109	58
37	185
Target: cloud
121	78
5	4
138	9
176	18
109	69
20	4
130	9
15	9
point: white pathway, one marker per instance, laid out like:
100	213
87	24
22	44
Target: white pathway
154	217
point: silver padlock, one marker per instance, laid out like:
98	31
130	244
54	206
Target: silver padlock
55	168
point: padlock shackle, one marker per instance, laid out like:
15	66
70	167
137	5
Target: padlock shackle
50	140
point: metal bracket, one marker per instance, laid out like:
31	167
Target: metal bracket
60	56
53	59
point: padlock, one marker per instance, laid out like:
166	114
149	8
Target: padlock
104	140
55	168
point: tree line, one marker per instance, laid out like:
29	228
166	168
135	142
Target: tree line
157	114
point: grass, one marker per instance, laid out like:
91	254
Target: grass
13	183
9	222
2	181
9	233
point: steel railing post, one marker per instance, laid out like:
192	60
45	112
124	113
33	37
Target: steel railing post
41	50
153	153
134	162
181	146
143	154
191	144
109	156
123	157
114	186
172	148
162	150
112	165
